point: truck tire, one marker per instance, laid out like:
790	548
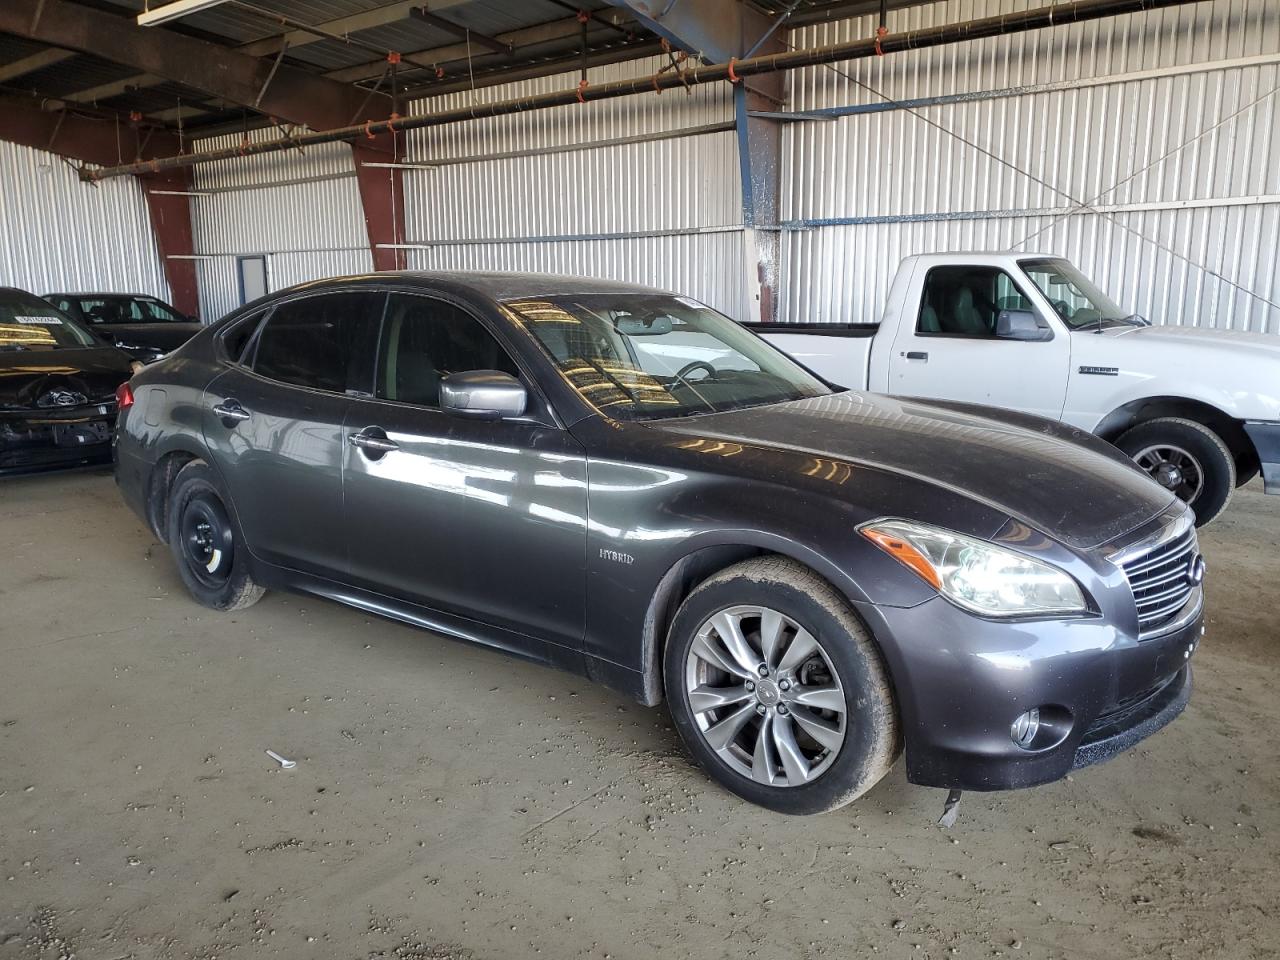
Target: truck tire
1187	459
206	542
778	690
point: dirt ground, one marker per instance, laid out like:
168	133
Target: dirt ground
451	803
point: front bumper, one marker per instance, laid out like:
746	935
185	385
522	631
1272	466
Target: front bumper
961	681
35	440
1266	440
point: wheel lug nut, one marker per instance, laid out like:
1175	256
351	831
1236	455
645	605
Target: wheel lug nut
761	709
763	670
784	684
782	709
750	686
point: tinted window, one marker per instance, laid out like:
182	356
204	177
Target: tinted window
426	339
237	336
964	301
30	323
325	342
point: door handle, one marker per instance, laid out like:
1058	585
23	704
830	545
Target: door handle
231	410
917	355
372	442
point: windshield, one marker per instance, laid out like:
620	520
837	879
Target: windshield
1078	302
29	323
127	310
648	356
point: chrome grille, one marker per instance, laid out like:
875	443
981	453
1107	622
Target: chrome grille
1161	580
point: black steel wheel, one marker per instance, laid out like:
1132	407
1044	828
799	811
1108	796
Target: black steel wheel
207	543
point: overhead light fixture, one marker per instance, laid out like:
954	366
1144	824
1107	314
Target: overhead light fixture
174	10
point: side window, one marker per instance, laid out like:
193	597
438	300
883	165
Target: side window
425	339
325	342
235	339
964	301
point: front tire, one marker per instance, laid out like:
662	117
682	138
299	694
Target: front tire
778	690
1187	459
206	542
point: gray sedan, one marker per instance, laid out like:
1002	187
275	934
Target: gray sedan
626	484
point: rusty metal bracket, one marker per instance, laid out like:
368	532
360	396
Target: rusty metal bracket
271	75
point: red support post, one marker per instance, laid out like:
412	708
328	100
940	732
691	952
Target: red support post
171	225
382	196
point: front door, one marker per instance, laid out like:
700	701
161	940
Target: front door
950	350
273	424
484	520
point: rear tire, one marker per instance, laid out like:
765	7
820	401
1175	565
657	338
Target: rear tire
808	698
206	542
1187	459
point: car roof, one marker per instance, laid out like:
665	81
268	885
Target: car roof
99	293
492	284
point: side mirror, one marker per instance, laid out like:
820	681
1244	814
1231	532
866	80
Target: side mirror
1021	325
483	395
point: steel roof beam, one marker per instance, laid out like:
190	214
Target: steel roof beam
714	30
270	46
492	44
292	94
37	61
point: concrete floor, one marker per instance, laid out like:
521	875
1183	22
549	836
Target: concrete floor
451	803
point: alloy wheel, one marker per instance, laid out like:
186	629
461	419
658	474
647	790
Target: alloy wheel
765	696
1174	469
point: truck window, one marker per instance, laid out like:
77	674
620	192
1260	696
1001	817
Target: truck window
965	300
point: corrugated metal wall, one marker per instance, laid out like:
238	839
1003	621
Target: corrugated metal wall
664	211
57	233
1142	147
301	210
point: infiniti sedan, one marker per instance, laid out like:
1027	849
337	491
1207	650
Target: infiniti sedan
626	484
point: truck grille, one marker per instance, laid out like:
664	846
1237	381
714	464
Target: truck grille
1161	579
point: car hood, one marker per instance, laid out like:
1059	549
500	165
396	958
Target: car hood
35	379
1200	337
1062	482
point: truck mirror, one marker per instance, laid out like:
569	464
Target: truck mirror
1021	325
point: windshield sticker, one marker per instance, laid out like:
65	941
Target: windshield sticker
42	321
690	302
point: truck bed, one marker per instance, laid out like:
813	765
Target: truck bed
837	352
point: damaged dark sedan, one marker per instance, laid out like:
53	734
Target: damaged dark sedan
629	485
58	386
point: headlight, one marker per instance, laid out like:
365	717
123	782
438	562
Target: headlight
977	575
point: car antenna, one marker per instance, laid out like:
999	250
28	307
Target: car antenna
950	810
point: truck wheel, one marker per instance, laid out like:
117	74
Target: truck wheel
1187	459
206	542
778	690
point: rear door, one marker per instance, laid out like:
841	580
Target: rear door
949	349
481	519
274	425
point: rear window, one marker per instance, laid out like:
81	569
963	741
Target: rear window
29	323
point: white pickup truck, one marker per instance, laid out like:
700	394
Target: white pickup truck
1198	409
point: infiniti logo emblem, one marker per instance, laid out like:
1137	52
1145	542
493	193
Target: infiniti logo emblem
1195	570
62	398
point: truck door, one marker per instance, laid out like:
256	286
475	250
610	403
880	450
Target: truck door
952	348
